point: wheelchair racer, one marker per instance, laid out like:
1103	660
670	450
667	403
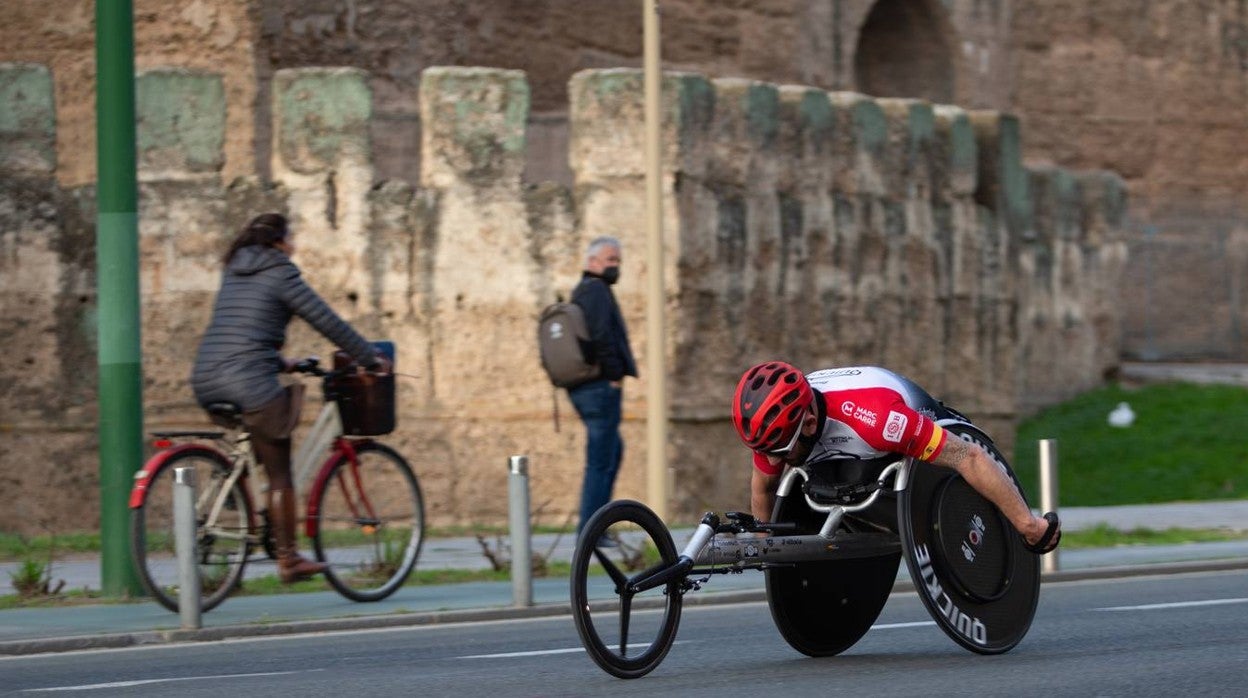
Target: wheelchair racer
861	412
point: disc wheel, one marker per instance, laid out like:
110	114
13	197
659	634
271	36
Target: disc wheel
969	566
627	633
822	608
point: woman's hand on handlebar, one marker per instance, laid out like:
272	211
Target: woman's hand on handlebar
383	365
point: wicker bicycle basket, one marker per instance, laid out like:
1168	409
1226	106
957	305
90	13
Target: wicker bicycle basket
365	400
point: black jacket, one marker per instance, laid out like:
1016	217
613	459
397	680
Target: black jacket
606	327
239	356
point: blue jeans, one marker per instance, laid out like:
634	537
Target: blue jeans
598	404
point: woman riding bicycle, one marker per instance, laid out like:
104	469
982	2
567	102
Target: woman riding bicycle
239	362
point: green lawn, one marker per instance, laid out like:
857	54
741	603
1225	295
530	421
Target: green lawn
1188	443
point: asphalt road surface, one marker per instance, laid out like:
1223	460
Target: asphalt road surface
1168	635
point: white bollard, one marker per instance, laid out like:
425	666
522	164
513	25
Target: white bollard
1048	493
521	543
184	547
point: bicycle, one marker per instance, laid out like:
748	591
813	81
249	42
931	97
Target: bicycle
830	555
365	511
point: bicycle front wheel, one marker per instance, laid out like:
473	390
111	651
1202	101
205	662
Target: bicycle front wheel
221	538
368	521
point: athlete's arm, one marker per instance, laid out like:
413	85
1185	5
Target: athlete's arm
763	494
982	472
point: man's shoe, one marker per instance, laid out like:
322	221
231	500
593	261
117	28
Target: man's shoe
605	541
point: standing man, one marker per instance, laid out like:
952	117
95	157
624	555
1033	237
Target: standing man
598	402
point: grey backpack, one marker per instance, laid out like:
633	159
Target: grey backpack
566	349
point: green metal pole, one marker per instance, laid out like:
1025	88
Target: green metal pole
117	255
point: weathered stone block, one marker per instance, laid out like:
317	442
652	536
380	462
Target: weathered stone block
27	119
320	117
1003	182
607	123
473	126
860	136
181	123
956	172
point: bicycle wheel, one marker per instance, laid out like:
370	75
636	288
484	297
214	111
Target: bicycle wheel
221	547
624	537
367	521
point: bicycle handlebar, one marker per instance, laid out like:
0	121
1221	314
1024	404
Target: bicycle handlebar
311	366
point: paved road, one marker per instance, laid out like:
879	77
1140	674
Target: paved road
29	630
1148	636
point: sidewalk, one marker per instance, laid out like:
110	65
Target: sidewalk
30	630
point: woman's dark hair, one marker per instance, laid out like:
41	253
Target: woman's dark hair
265	229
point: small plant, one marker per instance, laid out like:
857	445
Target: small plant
34	578
500	555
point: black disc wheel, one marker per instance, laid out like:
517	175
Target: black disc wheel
626	631
223	530
822	608
969	566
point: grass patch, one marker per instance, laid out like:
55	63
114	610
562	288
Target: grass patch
1104	536
15	547
1187	444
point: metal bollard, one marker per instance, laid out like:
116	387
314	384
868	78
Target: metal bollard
184	546
1048	493
521	543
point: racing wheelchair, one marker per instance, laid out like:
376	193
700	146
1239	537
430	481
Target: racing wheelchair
830	556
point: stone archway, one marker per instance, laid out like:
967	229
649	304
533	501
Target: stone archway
905	49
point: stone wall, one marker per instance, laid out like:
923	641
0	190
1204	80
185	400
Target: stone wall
827	228
1154	91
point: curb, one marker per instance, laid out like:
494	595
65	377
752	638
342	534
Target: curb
411	619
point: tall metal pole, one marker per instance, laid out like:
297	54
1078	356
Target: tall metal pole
117	278
656	369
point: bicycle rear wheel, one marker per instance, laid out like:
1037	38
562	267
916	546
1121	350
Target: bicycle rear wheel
367	519
221	548
616	625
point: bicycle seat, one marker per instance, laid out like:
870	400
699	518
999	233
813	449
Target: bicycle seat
225	414
227	410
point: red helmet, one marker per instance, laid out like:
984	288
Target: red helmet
768	407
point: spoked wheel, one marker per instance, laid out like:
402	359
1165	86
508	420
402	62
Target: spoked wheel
367	522
969	566
625	631
222	545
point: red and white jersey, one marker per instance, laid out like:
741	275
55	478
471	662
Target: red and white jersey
868	412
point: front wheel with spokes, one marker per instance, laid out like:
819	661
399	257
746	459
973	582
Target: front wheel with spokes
367	520
626	631
223	529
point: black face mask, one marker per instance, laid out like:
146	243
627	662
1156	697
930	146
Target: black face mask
611	275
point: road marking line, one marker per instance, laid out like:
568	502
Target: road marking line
573	650
144	682
1180	604
538	653
916	624
535	653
